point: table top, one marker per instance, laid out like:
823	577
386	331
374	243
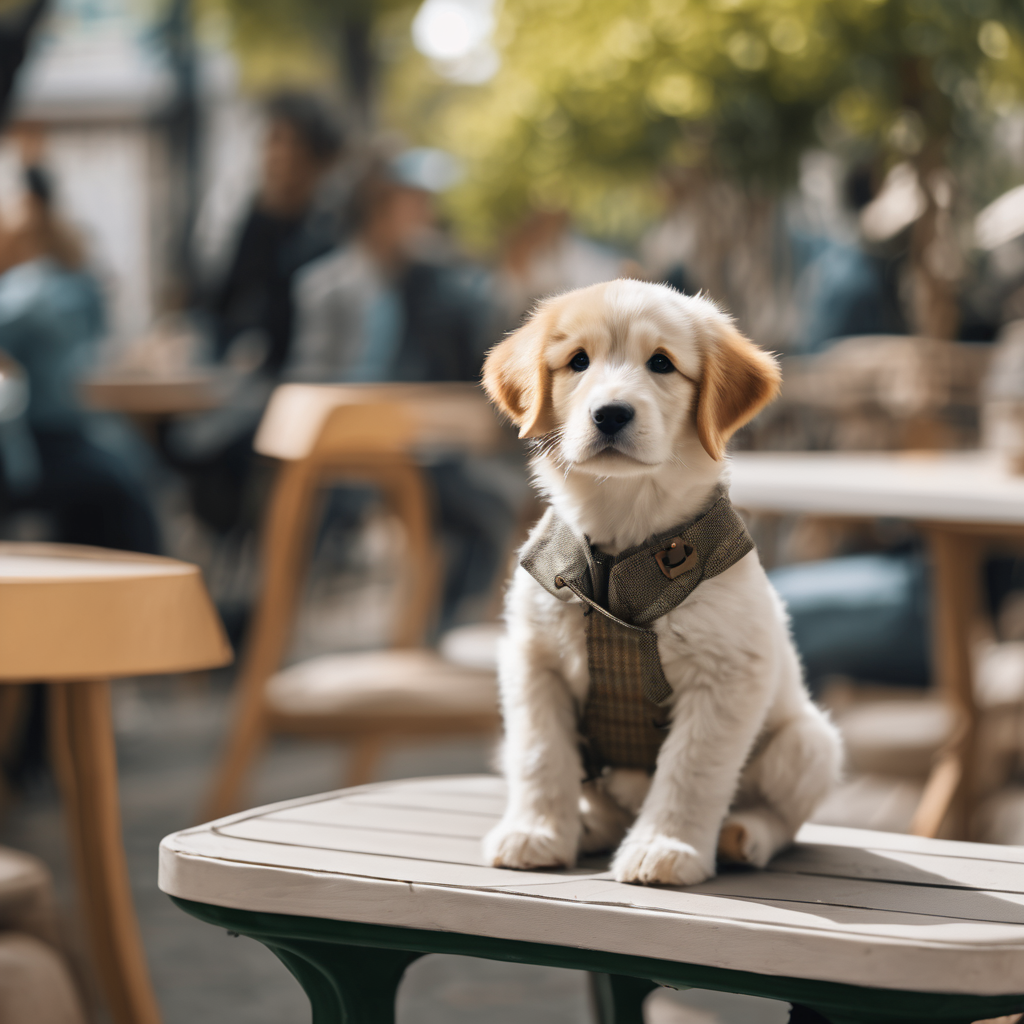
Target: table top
843	905
140	393
73	612
953	487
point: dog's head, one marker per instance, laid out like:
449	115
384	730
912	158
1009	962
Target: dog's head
622	377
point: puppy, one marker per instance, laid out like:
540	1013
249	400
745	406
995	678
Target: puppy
630	392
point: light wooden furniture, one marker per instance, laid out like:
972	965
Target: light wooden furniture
320	435
35	981
348	888
141	394
75	617
962	502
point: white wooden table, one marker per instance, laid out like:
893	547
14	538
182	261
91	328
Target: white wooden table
961	502
348	887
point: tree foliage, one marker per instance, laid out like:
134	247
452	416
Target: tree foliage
593	97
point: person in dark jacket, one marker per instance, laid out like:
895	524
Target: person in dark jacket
250	308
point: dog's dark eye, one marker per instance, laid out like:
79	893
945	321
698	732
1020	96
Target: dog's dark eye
660	364
579	362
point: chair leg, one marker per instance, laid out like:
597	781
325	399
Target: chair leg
365	759
346	984
406	489
619	999
246	739
285	544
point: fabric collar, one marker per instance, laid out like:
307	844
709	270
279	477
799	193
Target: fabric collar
643	583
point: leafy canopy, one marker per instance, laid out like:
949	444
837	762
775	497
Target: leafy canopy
593	97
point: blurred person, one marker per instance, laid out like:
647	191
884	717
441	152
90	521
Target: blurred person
284	229
850	286
51	319
250	306
395	304
544	256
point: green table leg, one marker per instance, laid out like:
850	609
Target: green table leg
805	1015
620	999
346	984
351	973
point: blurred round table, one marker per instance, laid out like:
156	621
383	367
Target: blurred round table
73	618
961	502
148	395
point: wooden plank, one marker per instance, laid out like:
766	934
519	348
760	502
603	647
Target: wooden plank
583	888
913	952
349	814
958	904
896	866
864	839
338	838
318	859
460	803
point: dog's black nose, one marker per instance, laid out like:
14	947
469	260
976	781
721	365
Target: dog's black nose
610	419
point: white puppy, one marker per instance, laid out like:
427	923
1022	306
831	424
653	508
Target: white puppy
632	391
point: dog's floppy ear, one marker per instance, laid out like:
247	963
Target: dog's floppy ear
518	380
738	381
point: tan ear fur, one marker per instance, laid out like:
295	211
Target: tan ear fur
518	380
738	381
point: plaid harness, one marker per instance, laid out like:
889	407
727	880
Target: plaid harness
625	718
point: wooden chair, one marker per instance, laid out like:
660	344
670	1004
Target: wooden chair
36	982
74	618
322	434
849	926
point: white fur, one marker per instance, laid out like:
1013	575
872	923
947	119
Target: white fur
746	746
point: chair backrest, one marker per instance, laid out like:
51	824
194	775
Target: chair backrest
305	418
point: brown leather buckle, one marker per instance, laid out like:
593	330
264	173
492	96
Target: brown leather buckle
676	559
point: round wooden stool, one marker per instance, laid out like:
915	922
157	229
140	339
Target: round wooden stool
75	617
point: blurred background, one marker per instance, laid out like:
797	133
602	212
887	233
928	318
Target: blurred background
204	201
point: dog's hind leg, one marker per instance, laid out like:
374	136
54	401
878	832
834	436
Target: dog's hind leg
780	788
604	822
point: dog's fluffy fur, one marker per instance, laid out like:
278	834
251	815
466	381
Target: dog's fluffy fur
747	756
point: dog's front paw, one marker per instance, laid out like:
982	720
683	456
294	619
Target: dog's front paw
660	860
522	845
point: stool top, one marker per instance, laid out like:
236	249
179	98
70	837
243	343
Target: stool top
72	612
843	905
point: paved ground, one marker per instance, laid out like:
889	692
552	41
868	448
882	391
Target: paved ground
168	735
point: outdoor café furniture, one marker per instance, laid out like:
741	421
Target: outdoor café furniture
348	888
148	395
963	503
74	618
322	435
36	984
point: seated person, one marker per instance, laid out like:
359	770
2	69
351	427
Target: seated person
393	305
51	317
249	306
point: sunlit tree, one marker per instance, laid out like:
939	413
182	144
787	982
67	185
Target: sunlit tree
592	100
594	97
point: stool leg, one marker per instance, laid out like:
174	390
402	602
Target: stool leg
619	999
346	984
85	763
